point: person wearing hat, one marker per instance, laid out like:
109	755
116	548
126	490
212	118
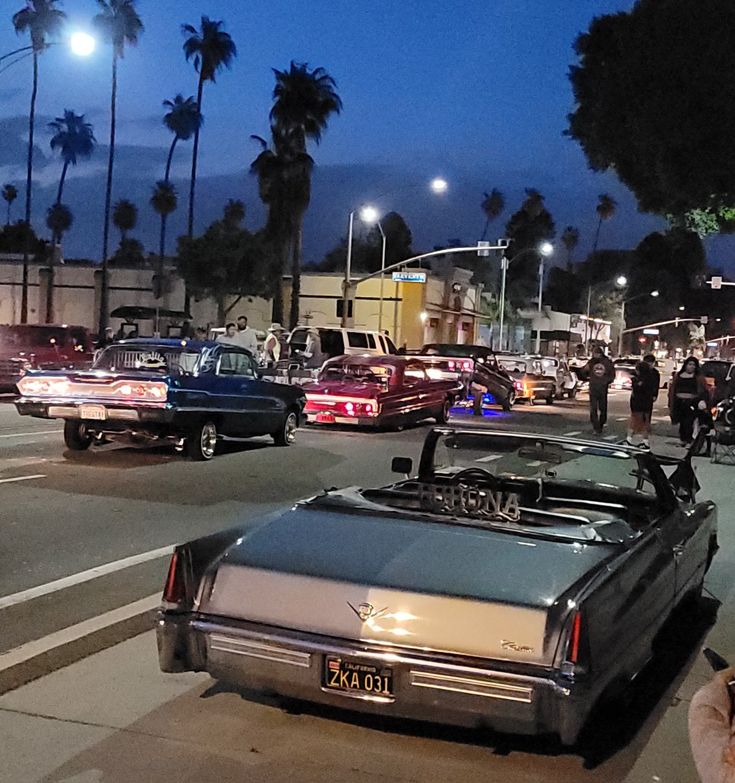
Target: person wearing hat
272	345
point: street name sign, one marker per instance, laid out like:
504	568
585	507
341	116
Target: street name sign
409	277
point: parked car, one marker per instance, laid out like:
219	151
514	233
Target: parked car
513	584
475	366
336	341
623	377
185	392
377	391
562	374
528	379
25	347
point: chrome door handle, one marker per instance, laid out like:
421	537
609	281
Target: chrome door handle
679	550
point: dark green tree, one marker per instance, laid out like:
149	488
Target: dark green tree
183	119
125	217
40	19
492	207
653	91
119	24
74	138
570	240
606	207
10	193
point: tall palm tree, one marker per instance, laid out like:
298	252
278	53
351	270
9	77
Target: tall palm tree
234	213
606	207
74	138
10	193
183	119
118	22
39	18
570	240
492	206
164	201
59	220
211	49
303	102
125	217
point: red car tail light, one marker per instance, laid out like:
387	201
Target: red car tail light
576	659
174	591
35	385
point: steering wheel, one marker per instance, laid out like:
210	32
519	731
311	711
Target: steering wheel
470	473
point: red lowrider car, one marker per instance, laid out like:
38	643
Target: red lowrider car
378	391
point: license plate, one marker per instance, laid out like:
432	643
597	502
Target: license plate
343	674
93	412
325	418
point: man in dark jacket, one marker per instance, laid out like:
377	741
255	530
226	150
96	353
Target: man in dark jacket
601	374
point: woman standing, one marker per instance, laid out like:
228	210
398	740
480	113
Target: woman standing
642	397
686	390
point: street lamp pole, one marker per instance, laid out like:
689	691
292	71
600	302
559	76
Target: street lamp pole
622	327
540	302
382	275
504	269
344	322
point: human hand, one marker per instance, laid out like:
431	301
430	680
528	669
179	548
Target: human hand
711	731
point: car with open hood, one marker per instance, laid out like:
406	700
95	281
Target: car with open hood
185	392
377	391
511	582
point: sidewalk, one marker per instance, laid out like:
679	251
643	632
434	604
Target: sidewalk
114	718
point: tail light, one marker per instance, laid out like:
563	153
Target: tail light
576	659
518	386
175	588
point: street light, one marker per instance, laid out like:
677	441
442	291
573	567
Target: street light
545	249
653	293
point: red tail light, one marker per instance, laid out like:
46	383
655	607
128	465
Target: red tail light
576	660
174	591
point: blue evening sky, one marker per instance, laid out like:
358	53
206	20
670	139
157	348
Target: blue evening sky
474	90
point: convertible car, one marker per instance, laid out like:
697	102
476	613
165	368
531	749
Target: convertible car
512	584
378	391
186	392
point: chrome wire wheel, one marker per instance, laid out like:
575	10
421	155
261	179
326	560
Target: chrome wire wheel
286	435
208	440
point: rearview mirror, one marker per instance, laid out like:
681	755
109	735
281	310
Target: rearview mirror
403	465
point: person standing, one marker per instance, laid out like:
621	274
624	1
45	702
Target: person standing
313	356
686	390
601	373
642	395
246	337
272	345
108	338
230	335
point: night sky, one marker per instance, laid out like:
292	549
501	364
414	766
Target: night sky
473	90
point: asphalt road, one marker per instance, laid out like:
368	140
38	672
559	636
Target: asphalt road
118	509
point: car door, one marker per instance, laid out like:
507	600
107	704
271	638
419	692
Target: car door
688	533
252	405
421	398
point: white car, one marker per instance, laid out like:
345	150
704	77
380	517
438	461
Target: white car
336	341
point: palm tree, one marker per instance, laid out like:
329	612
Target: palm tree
211	49
118	22
304	100
74	138
164	201
125	217
183	119
10	193
605	209
39	18
234	213
492	206
570	240
59	220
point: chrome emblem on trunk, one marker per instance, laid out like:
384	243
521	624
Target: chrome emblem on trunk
507	644
367	611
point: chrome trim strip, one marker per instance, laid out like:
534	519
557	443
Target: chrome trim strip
359	696
113	414
473	687
266	652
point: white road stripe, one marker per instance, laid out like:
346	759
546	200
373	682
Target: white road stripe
489	458
572	433
611	437
27	652
32	432
622	418
535	464
82	576
22	478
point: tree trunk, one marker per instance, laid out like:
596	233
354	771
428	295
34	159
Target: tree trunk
277	307
170	158
105	292
8	220
51	280
597	236
161	255
221	311
192	184
60	191
484	231
293	319
29	188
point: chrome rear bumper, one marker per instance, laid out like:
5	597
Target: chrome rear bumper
439	688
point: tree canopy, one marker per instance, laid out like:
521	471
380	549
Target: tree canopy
653	90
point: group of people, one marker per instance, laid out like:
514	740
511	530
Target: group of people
689	403
239	333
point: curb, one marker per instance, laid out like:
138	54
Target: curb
69	645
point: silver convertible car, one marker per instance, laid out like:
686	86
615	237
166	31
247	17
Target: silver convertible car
512	584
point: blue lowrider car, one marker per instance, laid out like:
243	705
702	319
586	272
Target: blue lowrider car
188	392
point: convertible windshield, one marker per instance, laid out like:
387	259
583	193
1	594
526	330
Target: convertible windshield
156	358
360	373
567	462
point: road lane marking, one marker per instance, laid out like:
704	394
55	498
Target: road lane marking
30	650
82	576
22	478
611	437
32	432
535	464
622	418
489	458
572	433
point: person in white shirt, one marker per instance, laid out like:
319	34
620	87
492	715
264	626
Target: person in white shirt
230	335
272	345
246	337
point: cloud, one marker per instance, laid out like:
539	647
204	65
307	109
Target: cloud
14	146
10	94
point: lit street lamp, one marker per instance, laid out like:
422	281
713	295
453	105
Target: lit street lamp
545	249
621	281
654	294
